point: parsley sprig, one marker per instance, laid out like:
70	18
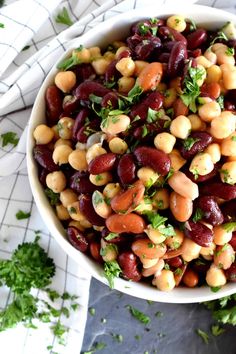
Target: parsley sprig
140	316
158	222
64	18
9	138
112	270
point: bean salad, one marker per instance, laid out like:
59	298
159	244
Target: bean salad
138	153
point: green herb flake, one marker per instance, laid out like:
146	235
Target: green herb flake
159	314
92	311
140	316
158	222
9	138
64	18
144	131
117	337
112	270
97	346
215	289
95	99
71	61
198	215
20	215
137	337
193	26
189	142
233	138
2	25
203	335
143	29
153	116
229	226
220	35
97	197
26	48
53	294
98	178
220	101
216	330
229	51
74	306
111	236
59	331
54	198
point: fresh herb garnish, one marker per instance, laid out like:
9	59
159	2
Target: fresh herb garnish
143	29
220	35
92	311
220	100
54	198
233	138
203	335
2	25
9	138
158	222
111	270
20	215
189	142
97	197
229	51
229	226
153	116
97	346
117	337
25	48
95	99
140	316
216	330
198	215
191	89
64	18
215	289
193	26
111	236
133	94
71	61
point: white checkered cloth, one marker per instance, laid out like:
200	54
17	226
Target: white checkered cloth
32	23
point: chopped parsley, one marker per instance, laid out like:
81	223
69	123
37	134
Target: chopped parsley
111	236
229	226
92	311
226	176
20	215
140	316
220	35
143	29
54	198
26	48
198	215
9	138
233	138
117	337
189	142
158	222
97	346
97	197
203	335
111	270
220	100
229	51
64	18
133	94
216	330
153	116
2	25
71	61
215	289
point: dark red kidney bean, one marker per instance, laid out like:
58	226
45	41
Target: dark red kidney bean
179	275
86	207
167	33
180	108
175	262
232	242
53	99
145	48
120	238
178	55
154	100
229	210
197	38
158	160
85	89
77	239
168	46
43	156
81	184
141	132
202	140
79	122
110	100
194	53
204	178
164	57
42	176
219	189
231	273
199	233
87	130
102	163
126	169
70	104
211	210
124	54
112	74
134	40
84	72
94	248
231	95
211	90
128	262
229	106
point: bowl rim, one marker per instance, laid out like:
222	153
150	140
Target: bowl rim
140	290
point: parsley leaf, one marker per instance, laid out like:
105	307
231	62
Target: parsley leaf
97	346
203	335
111	236
9	138
229	51
71	61
199	214
229	226
189	142
64	18
133	94
153	115
220	100
54	198
220	35
2	25
111	270
22	215
216	330
158	222
140	316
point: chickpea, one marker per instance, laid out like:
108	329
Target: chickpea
221	235
86	224
170	96
177	22
214	74
111	190
191	250
84	55
108	55
80	146
74	211
174	242
65	126
224	256
65	80
155	235
224	56
95	52
190	278
165	281
228	172
229	76
76	224
68	196
209	111
228	145
223	126
210	56
77	159
148	262
61	141
208	251
108	251
165	142
153	270
196	123
43	134
215	277
229	30
161	198
56	181
203	61
121	50
118	44
100	65
214	151
139	66
61	154
177	161
125	84
180	127
126	66
201	164
181	207
116	124
100	206
118	146
62	212
101	179
94	151
148	176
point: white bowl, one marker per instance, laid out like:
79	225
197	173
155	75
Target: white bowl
101	35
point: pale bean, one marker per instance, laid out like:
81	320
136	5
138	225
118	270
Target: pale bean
61	141
74	211
208	251
228	172
214	151
177	22
101	179
214	74
77	159
108	251
176	160
100	65
181	207
155	235
221	235
95	52
65	80
65	126
154	270
210	56
126	66
94	151
43	134
125	84
116	124
215	277
190	250
83	55
62	212
61	154
175	241
196	123
139	66
68	196
224	256
180	127
165	142
161	199
118	146
148	176
183	185
165	281
209	111
203	61
223	126
201	164
111	190
228	145
100	206
56	181
229	76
